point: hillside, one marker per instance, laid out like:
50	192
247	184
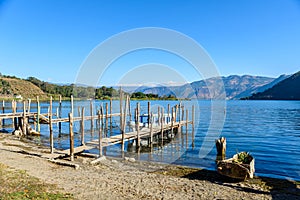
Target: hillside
288	89
11	87
235	87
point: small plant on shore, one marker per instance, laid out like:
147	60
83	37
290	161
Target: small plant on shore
243	157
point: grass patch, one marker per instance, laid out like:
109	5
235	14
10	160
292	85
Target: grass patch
17	184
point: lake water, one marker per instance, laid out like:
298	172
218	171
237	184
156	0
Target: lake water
269	130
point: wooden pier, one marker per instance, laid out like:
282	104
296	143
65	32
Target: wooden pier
157	126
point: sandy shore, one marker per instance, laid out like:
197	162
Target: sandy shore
123	179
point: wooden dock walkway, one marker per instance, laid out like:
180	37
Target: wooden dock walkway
156	125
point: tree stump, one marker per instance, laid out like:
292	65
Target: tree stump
221	148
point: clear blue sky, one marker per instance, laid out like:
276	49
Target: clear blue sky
50	39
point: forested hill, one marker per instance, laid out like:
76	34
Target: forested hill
287	89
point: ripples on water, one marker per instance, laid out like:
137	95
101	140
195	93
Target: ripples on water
269	130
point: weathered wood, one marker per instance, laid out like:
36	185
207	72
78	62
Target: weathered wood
92	115
240	166
82	126
124	123
100	137
138	124
38	114
151	128
72	104
71	136
50	127
221	148
24	119
121	107
29	106
64	163
106	117
162	125
149	108
3	111
59	114
187	121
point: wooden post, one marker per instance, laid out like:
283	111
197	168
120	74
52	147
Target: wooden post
71	137
193	118
82	126
176	110
187	121
151	128
72	105
92	115
59	114
50	126
100	136
15	119
172	120
102	117
149	113
110	118
29	106
13	111
24	119
124	124
79	115
138	123
106	117
3	111
121	107
221	148
162	125
129	109
158	116
168	113
38	114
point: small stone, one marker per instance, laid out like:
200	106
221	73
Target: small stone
114	161
131	159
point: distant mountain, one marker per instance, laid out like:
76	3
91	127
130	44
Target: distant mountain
288	89
235	87
254	90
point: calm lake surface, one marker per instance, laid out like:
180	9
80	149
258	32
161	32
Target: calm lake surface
269	130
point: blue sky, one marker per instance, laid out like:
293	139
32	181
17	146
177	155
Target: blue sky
50	39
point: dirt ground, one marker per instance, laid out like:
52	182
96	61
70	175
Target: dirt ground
128	179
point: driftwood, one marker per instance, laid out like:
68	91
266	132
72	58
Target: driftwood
240	166
221	148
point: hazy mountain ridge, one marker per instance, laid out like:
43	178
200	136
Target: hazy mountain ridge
236	87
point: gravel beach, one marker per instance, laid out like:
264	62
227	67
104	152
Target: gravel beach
129	179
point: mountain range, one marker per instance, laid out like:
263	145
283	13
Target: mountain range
235	86
287	89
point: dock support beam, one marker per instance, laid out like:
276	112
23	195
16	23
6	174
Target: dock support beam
50	126
71	136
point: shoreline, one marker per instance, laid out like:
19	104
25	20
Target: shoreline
114	178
